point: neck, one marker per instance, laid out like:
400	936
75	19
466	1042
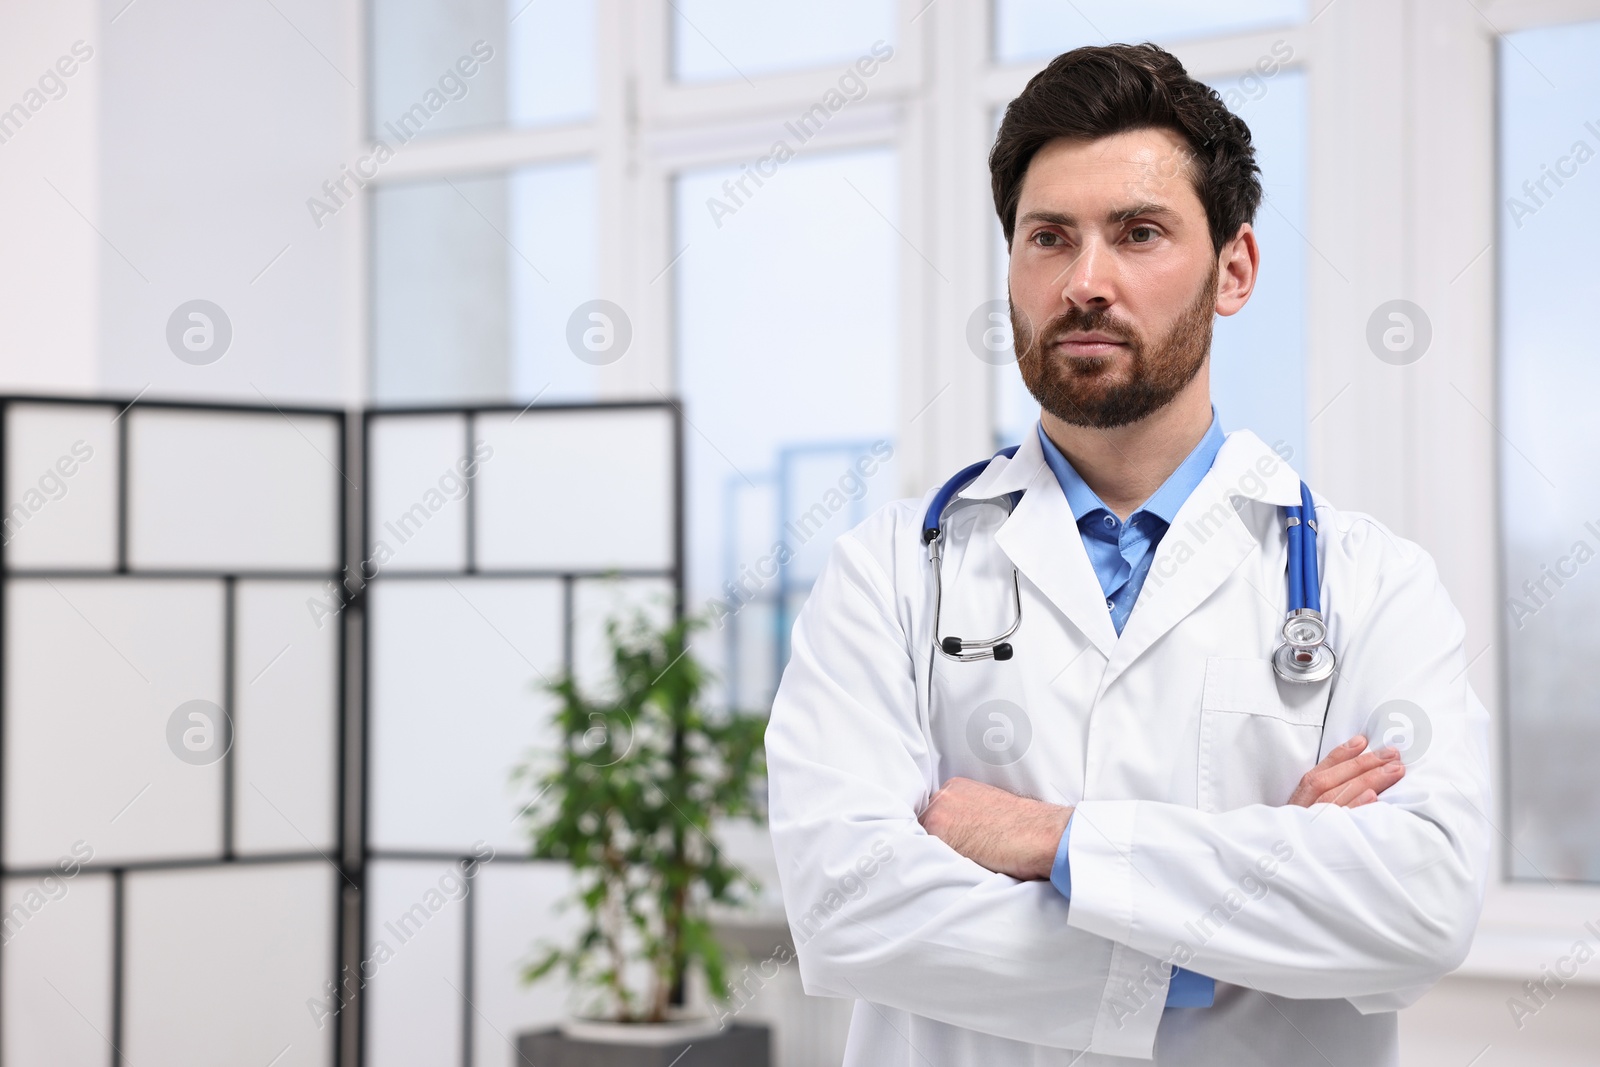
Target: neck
1124	465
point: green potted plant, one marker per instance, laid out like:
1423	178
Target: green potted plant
641	775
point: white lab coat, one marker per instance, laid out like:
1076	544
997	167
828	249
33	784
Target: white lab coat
1179	747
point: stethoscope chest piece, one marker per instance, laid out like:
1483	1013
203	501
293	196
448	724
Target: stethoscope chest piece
1303	663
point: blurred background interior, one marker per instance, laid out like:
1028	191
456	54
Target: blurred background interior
336	248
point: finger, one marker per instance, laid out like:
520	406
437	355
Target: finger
1311	783
1378	779
1318	783
1332	777
1365	798
1349	750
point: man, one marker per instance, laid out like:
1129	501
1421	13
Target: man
1131	838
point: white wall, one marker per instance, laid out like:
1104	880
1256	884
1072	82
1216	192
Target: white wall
182	155
48	255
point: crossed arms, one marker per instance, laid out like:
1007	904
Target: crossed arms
1018	836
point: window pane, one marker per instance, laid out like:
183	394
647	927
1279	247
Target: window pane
474	280
1258	355
479	63
787	351
718	40
1041	29
1549	222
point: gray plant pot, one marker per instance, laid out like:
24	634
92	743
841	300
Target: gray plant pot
740	1045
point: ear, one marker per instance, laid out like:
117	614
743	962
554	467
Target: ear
1237	265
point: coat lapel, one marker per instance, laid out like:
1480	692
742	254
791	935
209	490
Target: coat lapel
1042	539
1206	542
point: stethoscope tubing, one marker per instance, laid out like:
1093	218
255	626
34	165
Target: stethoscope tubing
1304	583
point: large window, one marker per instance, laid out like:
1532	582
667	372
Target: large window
1549	222
786	363
721	40
475	281
469	64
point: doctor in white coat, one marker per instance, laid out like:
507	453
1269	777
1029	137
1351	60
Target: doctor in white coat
1131	840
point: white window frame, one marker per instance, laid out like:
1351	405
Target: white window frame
1401	202
1448	191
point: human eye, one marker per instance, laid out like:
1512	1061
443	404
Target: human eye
1052	235
1150	231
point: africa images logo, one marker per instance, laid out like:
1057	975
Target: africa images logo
453	84
851	87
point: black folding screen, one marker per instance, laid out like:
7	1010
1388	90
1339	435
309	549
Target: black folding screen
257	802
573	514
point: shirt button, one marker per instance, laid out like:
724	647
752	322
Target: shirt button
1110	521
1110	606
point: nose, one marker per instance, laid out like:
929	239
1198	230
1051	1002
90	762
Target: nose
1087	280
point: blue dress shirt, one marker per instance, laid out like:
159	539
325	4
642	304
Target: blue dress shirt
1121	553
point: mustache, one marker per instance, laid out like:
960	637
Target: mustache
1074	320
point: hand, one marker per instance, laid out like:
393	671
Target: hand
1348	777
995	829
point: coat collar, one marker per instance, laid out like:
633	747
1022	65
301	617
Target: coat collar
1241	451
1205	543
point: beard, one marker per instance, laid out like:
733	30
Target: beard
1080	390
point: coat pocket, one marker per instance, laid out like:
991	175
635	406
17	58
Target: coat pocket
1258	733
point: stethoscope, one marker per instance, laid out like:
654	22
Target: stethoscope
1304	655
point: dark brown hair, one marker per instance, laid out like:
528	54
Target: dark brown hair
1097	91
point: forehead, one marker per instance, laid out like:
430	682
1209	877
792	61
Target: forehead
1148	165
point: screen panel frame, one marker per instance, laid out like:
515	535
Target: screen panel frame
471	568
228	577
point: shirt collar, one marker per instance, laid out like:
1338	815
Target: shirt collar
1164	502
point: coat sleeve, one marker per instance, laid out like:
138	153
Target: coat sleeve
1373	904
881	910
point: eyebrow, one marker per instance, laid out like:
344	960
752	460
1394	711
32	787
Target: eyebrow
1122	214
